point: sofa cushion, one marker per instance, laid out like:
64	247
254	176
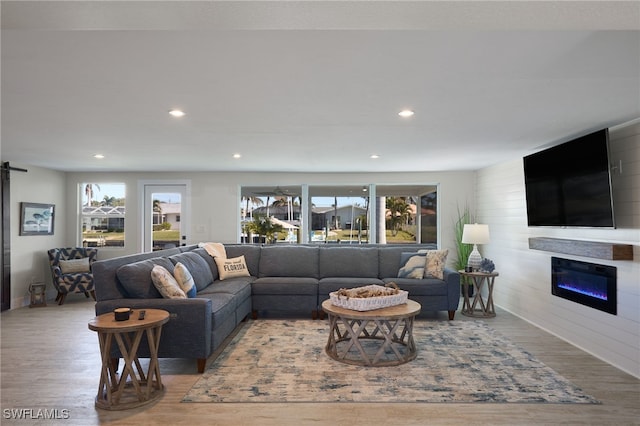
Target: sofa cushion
223	306
136	277
422	287
185	280
251	255
359	262
240	287
285	286
436	260
412	265
207	258
231	268
327	285
199	268
166	283
289	261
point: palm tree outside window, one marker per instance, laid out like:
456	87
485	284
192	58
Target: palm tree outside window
102	217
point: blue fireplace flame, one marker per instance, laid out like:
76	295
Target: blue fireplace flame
587	284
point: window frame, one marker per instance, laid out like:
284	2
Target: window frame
90	214
371	192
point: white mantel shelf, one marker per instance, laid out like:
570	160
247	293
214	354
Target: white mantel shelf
599	250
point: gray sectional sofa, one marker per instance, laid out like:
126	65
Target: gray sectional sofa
292	279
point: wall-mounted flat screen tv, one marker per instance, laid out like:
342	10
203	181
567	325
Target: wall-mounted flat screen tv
569	185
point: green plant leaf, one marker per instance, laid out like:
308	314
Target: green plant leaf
462	250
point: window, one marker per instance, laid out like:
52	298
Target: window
345	214
339	218
102	214
411	213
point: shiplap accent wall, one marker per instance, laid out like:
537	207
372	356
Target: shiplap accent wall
524	284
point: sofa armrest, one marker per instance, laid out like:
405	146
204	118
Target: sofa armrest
452	278
188	332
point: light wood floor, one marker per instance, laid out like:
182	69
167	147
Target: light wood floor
50	360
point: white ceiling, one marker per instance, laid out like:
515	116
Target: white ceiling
310	86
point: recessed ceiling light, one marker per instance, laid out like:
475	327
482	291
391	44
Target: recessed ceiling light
405	113
99	156
176	113
374	156
237	155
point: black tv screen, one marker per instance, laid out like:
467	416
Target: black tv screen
569	185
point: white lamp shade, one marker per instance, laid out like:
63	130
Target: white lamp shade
475	234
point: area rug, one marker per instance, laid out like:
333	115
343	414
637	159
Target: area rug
458	361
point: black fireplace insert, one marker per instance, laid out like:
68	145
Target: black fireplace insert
586	283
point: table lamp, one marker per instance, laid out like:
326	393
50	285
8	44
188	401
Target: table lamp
475	234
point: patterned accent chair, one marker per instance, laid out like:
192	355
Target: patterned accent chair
71	271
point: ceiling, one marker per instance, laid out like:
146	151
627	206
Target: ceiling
310	86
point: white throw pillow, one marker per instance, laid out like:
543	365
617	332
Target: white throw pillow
166	283
231	268
185	280
75	266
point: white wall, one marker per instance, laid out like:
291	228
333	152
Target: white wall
524	284
215	199
29	259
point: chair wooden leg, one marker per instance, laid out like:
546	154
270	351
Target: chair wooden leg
61	297
93	294
86	294
202	362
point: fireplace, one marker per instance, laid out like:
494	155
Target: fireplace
589	284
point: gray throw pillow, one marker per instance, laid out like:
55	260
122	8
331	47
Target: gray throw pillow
136	277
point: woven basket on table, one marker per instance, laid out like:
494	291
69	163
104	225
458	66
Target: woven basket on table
368	303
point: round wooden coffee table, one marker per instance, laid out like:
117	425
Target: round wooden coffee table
381	337
114	393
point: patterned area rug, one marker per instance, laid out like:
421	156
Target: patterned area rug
458	361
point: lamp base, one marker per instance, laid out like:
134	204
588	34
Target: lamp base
475	259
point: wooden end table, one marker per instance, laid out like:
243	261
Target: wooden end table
392	326
478	308
114	393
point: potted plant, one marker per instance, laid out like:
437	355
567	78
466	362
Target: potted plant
462	250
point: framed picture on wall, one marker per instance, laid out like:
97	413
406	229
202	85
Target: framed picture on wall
36	219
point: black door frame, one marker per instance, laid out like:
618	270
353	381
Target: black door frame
5	213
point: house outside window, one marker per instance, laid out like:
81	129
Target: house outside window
343	213
102	217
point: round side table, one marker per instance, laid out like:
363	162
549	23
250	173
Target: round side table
478	307
391	327
116	393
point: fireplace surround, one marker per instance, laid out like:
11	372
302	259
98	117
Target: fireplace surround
586	283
